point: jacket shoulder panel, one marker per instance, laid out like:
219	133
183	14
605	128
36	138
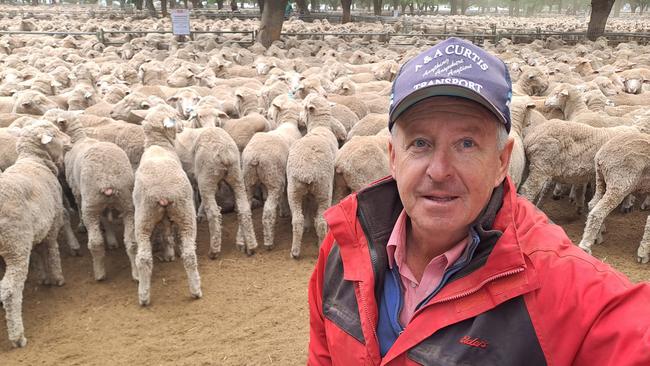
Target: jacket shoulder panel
339	300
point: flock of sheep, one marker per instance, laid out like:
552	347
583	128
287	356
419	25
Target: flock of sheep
161	135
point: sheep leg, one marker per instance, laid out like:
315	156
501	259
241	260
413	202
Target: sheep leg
324	201
187	232
643	253
646	203
558	191
95	243
295	196
53	260
129	242
37	264
244	215
11	295
628	204
269	216
579	190
70	237
533	185
144	259
610	201
213	213
109	231
168	242
285	211
340	188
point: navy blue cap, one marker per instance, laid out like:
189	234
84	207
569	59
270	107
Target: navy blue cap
454	67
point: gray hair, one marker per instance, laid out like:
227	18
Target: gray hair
502	134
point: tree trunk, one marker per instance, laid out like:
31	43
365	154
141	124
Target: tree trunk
453	7
303	9
34	2
376	7
150	7
464	4
395	4
345	6
163	8
219	4
233	5
271	23
138	4
122	4
600	10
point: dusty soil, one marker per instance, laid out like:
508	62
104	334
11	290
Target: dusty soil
253	312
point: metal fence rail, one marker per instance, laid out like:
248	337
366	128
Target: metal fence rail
493	34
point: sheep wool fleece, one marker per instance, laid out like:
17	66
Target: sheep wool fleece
526	296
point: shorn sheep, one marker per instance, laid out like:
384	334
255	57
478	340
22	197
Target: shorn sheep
31	212
622	166
162	194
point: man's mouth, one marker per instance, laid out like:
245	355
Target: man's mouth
440	198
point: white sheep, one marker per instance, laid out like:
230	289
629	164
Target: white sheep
210	157
621	169
310	168
32	212
162	193
101	178
264	160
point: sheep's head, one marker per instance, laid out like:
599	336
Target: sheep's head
161	123
207	116
345	86
534	80
558	98
248	101
46	137
64	120
185	101
182	77
282	102
32	102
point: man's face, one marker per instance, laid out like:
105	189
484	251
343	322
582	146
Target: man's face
445	161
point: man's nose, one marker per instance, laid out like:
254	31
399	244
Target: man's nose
440	166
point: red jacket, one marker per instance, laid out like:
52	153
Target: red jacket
527	297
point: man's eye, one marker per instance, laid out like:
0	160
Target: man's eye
419	143
467	143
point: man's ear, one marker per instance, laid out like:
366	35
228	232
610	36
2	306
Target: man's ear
504	160
391	154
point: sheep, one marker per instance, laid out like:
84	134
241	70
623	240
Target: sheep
568	99
621	167
369	125
353	102
210	156
185	100
32	102
127	136
32	212
533	81
361	161
264	160
310	168
123	110
8	139
162	193
564	151
243	129
101	179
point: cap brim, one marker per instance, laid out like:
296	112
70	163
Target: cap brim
444	90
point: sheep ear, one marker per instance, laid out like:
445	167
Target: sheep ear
564	92
172	99
141	113
46	139
530	105
88	95
169	122
530	76
144	104
239	94
338	130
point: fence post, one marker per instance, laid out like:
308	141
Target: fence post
100	36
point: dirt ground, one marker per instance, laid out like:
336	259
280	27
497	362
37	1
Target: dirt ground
253	310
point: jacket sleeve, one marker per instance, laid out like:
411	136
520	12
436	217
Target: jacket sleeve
620	334
318	353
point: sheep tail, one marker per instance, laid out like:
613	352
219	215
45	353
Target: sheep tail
164	202
108	191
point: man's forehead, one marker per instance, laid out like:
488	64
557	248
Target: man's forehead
451	109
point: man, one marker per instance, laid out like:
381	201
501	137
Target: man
443	264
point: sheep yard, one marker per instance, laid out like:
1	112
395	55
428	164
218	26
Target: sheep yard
254	310
199	133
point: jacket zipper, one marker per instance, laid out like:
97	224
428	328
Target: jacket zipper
480	285
371	245
373	326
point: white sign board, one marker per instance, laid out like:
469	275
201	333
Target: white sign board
181	22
